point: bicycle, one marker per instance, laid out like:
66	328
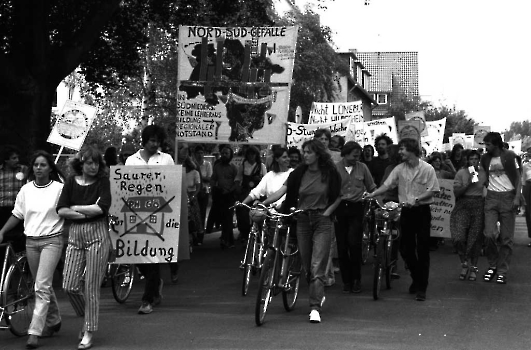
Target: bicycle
386	234
122	276
17	292
369	227
256	246
279	276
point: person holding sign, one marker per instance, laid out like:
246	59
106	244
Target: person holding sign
501	203
417	182
35	206
356	179
153	137
467	218
85	200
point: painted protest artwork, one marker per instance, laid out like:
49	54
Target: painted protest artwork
420	116
441	209
234	83
322	113
375	128
434	141
72	125
297	134
409	129
480	131
146	202
458	138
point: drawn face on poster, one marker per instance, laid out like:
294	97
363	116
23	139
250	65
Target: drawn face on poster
479	135
409	129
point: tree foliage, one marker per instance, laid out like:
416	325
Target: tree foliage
316	62
518	130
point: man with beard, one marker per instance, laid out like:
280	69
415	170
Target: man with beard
501	203
152	138
378	164
223	194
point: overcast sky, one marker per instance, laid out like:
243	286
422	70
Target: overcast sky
474	54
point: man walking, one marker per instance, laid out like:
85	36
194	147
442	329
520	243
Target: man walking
501	204
152	138
417	182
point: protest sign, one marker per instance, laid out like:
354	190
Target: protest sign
72	125
147	202
419	115
297	134
322	113
441	209
434	141
409	129
458	138
374	128
234	83
480	131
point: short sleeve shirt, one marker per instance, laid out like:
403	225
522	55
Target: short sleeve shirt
412	182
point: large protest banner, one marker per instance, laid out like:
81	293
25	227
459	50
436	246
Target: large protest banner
377	127
234	83
441	209
297	134
72	125
322	113
147	202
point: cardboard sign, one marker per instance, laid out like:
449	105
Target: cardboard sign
419	115
147	201
374	128
72	125
434	141
234	83
480	131
441	209
322	113
458	138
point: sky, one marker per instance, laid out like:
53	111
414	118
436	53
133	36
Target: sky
473	54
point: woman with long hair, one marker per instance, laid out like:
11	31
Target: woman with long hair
35	206
85	200
315	187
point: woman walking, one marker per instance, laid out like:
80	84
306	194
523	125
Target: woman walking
468	216
315	187
85	200
35	206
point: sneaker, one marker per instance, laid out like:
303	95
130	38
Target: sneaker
33	342
315	317
145	308
356	286
421	296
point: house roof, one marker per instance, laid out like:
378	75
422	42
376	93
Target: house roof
362	90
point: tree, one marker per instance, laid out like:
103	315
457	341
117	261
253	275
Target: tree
316	62
45	40
518	128
456	120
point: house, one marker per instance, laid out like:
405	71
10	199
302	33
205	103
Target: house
145	215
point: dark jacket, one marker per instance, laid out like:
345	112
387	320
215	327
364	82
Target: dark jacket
294	183
507	158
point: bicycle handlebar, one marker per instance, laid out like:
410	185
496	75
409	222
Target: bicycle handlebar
270	212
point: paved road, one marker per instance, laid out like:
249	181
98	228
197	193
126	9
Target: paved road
205	310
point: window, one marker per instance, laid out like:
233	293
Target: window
381	98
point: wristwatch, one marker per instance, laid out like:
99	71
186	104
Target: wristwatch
416	200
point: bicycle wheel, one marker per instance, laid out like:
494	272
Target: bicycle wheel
366	242
19	297
378	271
248	263
123	276
265	288
291	291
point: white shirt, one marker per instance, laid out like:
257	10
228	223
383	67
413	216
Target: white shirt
36	206
159	158
269	184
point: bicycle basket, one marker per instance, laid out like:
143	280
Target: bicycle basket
257	215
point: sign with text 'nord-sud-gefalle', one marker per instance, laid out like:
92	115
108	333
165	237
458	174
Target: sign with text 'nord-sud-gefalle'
234	83
146	205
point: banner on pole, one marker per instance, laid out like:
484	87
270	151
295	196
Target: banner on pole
147	202
297	134
72	125
234	83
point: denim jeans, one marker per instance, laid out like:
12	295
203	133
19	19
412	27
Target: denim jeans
43	255
314	234
499	208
